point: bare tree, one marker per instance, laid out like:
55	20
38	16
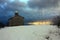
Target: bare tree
1	25
56	21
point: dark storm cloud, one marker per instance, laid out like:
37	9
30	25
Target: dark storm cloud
42	3
8	8
11	5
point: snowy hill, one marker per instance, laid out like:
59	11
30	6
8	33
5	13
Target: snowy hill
32	32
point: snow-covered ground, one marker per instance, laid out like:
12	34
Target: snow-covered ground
32	32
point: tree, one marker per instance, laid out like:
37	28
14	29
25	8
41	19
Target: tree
56	21
1	25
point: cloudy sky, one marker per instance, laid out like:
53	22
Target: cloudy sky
29	9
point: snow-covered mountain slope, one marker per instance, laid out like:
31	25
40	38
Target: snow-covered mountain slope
33	32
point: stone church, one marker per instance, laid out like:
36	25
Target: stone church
17	20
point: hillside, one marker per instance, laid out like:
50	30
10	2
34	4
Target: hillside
32	32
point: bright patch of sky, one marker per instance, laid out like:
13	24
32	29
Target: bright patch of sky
11	0
25	1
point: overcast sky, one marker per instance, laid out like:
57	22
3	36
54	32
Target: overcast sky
30	9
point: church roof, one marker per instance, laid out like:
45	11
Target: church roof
16	15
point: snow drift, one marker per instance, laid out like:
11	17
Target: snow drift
33	32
